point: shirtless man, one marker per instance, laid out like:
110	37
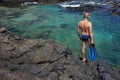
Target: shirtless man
86	35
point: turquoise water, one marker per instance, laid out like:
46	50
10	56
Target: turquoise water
56	23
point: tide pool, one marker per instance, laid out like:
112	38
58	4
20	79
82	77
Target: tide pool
56	23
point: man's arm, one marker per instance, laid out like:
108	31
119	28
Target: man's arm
78	30
91	33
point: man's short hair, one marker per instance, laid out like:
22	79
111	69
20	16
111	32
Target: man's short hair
85	14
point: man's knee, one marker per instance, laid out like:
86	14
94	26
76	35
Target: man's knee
84	46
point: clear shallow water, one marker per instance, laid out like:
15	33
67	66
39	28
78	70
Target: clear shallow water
54	22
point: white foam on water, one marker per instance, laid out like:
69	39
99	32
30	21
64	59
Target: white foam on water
70	4
77	3
29	3
74	5
104	4
90	3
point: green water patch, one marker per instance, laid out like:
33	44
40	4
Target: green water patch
56	23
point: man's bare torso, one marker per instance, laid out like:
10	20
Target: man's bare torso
85	27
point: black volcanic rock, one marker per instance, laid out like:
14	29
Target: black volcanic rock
116	7
113	6
14	3
86	8
23	59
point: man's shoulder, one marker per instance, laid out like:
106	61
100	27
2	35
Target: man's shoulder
80	22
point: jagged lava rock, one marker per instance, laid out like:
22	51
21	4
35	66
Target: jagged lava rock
23	59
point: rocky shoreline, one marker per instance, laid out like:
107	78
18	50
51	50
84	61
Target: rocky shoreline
23	59
15	3
113	6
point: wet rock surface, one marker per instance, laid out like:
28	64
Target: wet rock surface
81	5
85	8
115	7
111	6
14	3
23	59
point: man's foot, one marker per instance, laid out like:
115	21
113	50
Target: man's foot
84	59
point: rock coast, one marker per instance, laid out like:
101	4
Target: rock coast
15	3
23	59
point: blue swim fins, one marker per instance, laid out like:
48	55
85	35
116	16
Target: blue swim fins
92	54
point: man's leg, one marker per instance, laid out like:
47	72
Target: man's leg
83	50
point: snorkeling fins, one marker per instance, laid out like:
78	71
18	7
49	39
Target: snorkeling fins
92	54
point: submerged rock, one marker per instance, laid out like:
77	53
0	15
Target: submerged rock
85	8
116	7
111	6
23	59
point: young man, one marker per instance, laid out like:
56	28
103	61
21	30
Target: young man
86	35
